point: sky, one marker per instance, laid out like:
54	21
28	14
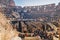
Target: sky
35	2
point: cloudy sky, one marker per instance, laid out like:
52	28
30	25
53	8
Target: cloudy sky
34	2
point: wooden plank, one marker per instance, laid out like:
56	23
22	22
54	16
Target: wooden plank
31	38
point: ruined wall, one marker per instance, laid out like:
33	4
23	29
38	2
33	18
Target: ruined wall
7	2
11	3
